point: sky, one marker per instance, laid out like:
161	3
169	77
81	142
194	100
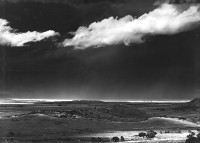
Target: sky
100	50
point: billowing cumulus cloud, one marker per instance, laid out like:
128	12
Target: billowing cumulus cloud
9	36
166	19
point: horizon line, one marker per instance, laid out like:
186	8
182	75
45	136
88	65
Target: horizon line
108	100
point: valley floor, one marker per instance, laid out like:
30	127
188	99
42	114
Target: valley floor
90	121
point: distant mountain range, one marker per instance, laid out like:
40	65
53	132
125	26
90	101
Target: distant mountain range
195	102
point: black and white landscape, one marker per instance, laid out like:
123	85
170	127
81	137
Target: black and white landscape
99	71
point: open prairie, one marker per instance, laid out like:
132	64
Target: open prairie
85	121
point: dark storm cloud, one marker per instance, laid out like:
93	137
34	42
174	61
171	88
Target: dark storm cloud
176	2
162	67
65	1
63	18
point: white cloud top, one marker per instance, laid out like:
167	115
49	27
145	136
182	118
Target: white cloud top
166	19
9	36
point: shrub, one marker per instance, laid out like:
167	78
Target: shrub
115	139
151	134
99	139
96	139
142	134
122	138
192	139
11	134
198	135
